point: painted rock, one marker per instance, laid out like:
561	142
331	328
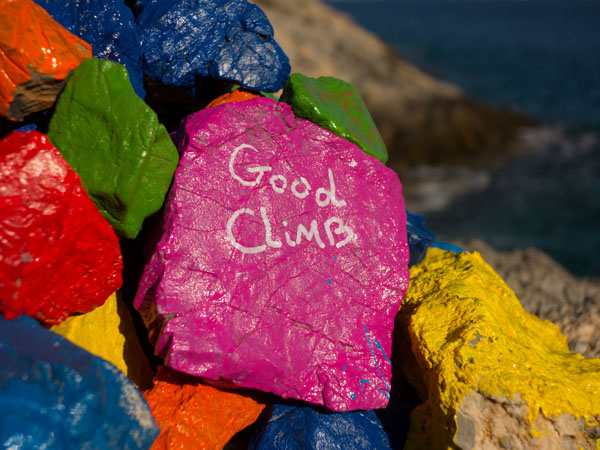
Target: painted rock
283	259
306	428
419	237
108	26
36	56
58	255
119	344
54	394
229	39
492	374
193	415
239	95
112	139
336	106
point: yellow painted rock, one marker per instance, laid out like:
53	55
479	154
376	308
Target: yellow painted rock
491	374
108	332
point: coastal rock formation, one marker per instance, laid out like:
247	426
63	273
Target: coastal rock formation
112	139
490	374
192	415
308	428
422	120
337	106
549	291
283	259
108	332
54	394
36	56
59	256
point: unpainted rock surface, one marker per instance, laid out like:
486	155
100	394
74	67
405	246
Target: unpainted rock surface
54	394
58	255
225	39
108	332
491	374
283	259
307	428
112	139
109	27
36	56
196	416
337	106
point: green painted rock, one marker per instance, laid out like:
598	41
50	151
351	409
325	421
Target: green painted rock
336	106
113	140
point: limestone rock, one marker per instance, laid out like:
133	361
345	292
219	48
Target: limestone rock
230	39
193	415
36	56
283	259
58	255
54	394
108	332
337	106
307	428
549	291
112	139
491	374
108	26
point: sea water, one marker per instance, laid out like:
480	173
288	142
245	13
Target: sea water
538	57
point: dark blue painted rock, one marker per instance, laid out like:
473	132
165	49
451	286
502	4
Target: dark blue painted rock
419	237
447	246
290	427
224	39
54	394
108	26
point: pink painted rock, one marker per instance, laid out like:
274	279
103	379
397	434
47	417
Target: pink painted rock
283	259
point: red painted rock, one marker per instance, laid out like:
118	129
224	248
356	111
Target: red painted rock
283	259
36	56
58	255
196	416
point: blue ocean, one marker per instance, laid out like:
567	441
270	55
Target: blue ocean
538	57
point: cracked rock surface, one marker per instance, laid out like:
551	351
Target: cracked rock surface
283	259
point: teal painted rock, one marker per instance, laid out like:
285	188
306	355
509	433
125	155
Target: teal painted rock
336	106
113	140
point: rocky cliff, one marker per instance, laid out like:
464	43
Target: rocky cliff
422	120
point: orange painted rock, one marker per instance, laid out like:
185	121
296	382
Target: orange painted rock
193	415
36	56
239	95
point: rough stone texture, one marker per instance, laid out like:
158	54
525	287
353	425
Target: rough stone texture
549	291
196	416
490	373
419	237
108	332
422	120
54	394
239	95
303	427
112	139
58	255
108	26
230	39
36	56
292	293
337	106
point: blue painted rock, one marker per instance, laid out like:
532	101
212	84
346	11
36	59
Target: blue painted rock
306	428
283	259
419	237
108	26
225	39
447	246
112	139
54	394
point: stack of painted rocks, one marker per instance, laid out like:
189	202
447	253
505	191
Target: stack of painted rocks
277	253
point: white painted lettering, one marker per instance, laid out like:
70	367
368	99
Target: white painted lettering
260	169
314	232
295	188
329	194
241	248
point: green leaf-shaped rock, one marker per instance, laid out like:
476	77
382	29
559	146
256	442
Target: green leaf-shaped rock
337	106
113	140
